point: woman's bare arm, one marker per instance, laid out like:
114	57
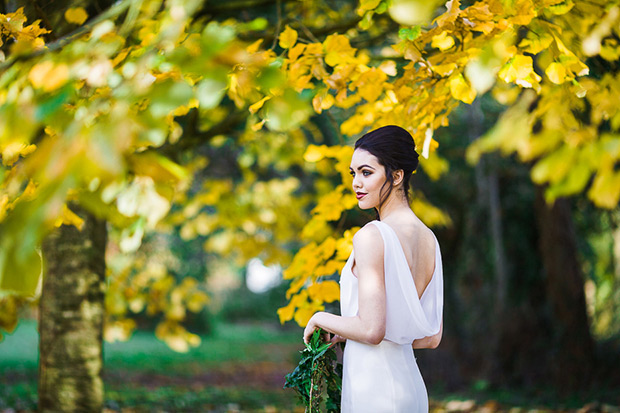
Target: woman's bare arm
368	326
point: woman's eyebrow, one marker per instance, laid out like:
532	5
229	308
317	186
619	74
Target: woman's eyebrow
363	166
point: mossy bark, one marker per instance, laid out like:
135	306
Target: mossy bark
71	318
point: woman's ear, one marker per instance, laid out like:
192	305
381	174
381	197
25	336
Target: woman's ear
398	176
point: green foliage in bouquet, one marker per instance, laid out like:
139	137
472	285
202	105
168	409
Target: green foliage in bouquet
317	373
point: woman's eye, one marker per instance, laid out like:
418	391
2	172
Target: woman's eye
366	173
352	173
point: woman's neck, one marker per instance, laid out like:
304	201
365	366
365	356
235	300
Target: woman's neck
396	203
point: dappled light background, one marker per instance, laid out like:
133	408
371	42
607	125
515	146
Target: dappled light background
200	150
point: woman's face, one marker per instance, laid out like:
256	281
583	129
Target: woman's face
368	178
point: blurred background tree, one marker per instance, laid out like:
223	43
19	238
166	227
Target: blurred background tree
222	136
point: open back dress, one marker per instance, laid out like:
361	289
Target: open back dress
385	377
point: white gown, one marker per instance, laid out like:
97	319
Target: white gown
385	377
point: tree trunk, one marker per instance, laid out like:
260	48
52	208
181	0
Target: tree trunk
71	318
572	357
497	236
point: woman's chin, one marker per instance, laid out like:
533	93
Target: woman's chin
364	205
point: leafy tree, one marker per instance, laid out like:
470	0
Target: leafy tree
155	116
527	56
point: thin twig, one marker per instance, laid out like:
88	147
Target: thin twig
130	18
307	31
277	32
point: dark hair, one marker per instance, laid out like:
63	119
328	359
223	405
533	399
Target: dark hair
394	147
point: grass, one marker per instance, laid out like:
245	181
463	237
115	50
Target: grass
237	368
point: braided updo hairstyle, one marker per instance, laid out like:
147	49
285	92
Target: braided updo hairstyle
394	148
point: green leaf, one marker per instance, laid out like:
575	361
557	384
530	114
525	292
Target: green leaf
167	96
48	107
317	371
410	33
215	38
210	92
287	112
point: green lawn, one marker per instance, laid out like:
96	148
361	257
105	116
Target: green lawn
239	368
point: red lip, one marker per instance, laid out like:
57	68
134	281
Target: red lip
360	195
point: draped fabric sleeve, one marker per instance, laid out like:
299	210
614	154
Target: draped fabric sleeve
432	298
408	317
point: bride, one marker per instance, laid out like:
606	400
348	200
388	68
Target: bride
391	295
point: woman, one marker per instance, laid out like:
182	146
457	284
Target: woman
391	295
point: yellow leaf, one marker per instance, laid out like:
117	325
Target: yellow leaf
519	67
253	48
259	125
366	5
12	152
444	70
9	306
536	42
303	315
296	51
323	101
326	291
314	49
288	38
69	217
197	301
314	153
519	70
554	167
256	106
76	15
338	50
412	12
286	313
605	190
461	90
556	73
442	41
370	84
119	330
562	8
389	68
47	76
429	214
452	12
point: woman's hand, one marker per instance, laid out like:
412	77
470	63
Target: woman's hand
310	327
337	339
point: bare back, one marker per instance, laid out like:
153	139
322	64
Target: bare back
418	243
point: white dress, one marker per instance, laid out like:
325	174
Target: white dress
385	377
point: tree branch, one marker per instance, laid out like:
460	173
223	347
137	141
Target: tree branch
278	25
232	6
113	11
195	138
314	32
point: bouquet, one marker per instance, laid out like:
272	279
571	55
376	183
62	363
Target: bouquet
317	374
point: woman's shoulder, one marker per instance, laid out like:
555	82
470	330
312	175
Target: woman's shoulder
368	245
368	236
